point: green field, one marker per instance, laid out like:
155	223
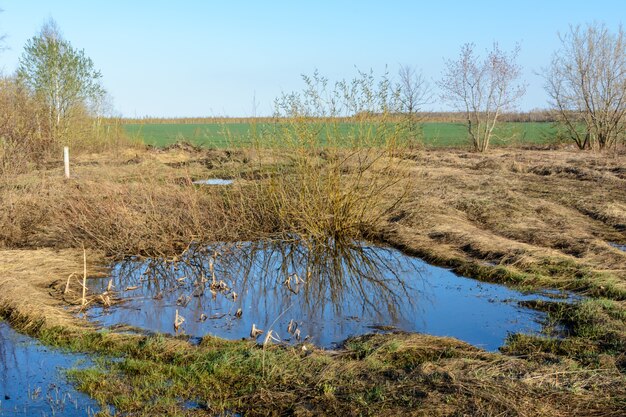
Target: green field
228	134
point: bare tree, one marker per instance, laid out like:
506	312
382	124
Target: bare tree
414	92
586	82
482	89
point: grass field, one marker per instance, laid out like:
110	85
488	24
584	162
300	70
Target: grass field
228	134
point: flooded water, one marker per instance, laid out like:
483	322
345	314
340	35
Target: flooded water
323	296
213	181
32	382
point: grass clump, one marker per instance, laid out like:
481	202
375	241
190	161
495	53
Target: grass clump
372	375
592	332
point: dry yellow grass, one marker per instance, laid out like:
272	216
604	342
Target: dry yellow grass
551	214
33	286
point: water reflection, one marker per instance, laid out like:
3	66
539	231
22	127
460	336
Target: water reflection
325	293
30	380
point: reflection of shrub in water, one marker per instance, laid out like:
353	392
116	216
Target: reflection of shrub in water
316	275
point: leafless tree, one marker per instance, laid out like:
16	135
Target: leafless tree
482	89
586	82
414	92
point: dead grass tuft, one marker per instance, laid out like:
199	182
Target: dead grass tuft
33	287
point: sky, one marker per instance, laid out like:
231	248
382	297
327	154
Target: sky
218	58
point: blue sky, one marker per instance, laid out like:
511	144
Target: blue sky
205	58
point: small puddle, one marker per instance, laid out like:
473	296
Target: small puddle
31	379
618	246
320	296
213	181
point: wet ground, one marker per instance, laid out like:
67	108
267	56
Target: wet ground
213	181
618	246
299	293
32	382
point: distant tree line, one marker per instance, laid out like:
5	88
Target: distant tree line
538	116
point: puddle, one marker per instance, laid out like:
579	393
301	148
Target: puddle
321	296
213	181
31	379
618	246
554	294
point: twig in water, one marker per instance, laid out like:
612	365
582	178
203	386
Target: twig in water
254	332
270	331
67	285
84	275
292	326
178	321
270	336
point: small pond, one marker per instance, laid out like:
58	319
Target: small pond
301	293
32	381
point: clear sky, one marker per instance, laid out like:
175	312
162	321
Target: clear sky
211	58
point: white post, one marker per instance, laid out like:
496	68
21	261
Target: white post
66	160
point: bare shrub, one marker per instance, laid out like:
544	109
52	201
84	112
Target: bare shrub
482	89
338	178
24	138
414	92
586	82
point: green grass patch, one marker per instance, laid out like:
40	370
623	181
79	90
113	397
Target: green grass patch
158	375
240	134
592	330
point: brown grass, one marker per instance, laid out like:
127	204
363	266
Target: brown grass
33	284
144	203
123	205
543	218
